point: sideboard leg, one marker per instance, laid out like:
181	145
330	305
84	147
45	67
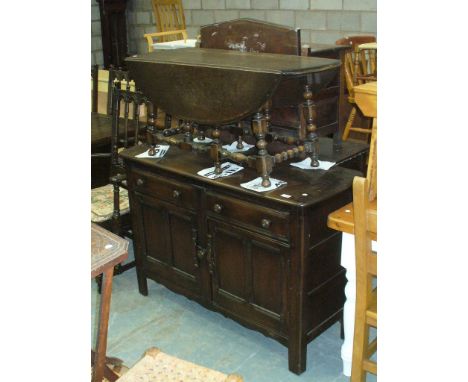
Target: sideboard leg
297	356
142	283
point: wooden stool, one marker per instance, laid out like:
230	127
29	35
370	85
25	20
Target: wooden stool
107	250
156	366
365	228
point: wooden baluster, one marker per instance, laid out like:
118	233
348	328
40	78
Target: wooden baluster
126	112
115	101
215	150
136	119
167	121
188	128
240	145
264	162
94	76
311	142
151	130
201	133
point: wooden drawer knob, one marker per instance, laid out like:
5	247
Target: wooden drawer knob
140	182
266	223
176	194
217	208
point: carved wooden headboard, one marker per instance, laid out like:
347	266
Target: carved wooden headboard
250	35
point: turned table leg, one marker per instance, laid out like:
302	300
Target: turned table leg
311	141
264	162
151	129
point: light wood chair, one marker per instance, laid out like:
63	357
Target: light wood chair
365	228
170	22
157	366
360	66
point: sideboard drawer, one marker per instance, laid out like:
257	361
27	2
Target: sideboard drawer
258	218
169	190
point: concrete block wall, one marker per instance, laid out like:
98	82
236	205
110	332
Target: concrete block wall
321	21
96	40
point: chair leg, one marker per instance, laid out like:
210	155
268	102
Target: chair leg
349	124
98	280
361	340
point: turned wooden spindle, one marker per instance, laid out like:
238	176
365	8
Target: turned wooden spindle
201	133
295	152
215	134
311	140
151	129
267	114
240	145
215	155
264	162
167	121
188	132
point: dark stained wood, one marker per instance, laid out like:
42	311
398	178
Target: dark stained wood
197	84
248	35
219	87
114	32
267	261
101	127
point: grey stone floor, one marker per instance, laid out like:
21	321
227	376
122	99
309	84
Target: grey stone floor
183	328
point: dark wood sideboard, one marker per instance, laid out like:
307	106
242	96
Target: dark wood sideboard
265	260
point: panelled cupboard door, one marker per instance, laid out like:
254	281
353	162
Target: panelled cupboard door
169	236
249	274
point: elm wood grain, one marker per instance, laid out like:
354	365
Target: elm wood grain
107	251
343	218
366	98
365	223
228	259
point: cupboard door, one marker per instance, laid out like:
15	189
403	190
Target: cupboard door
169	236
249	275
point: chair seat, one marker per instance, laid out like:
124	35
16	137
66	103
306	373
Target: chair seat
102	203
176	44
157	366
367	45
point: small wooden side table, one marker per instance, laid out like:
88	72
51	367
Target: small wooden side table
107	250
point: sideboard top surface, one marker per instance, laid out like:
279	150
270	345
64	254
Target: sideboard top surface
304	187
